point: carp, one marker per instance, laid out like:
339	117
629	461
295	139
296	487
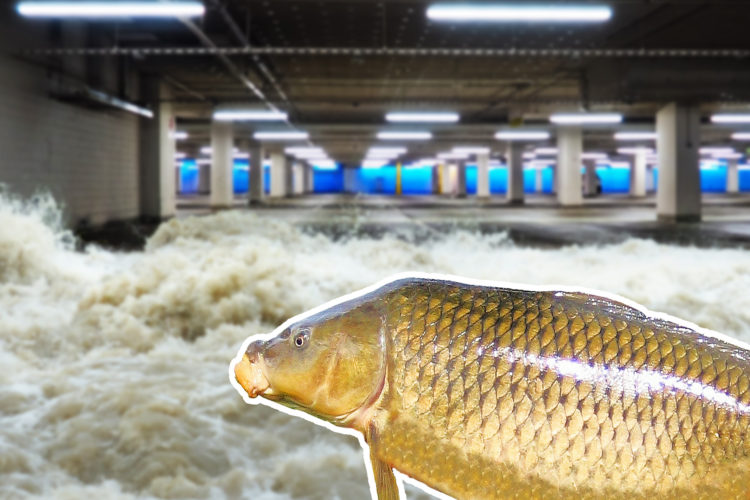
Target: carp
482	391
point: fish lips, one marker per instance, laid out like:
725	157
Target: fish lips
249	373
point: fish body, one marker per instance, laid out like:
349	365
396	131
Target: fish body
484	392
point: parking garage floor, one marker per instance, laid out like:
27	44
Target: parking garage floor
540	221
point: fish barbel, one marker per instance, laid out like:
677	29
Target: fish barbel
483	392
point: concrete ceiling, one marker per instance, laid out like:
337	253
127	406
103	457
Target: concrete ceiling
338	65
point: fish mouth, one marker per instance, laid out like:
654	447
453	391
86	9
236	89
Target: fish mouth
249	375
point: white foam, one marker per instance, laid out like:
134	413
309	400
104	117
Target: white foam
113	366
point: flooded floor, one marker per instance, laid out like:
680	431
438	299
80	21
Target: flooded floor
114	380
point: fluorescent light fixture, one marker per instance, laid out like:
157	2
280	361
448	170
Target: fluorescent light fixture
305	151
203	161
180	155
259	115
594	156
618	164
206	150
378	152
741	136
529	156
281	136
244	155
111	9
452	156
541	163
545	151
426	162
312	153
179	135
635	151
471	150
522	135
326	164
418	117
585	118
635	136
406	136
374	163
713	150
731	118
502	12
727	156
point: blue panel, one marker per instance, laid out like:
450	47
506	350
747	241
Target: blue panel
416	180
240	176
529	181
614	180
189	176
656	179
266	179
714	180
377	180
548	180
471	179
499	180
744	180
328	181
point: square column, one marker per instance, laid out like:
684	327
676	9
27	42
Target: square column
309	183
539	180
281	176
446	181
157	149
589	178
222	161
569	145
256	193
483	175
298	173
435	180
514	158
461	180
678	196
733	177
638	175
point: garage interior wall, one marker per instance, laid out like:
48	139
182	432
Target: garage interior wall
87	158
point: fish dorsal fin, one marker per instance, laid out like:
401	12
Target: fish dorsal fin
385	480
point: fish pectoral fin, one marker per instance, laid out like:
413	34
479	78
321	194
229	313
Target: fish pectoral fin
385	480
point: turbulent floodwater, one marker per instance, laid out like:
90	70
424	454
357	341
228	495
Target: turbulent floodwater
113	366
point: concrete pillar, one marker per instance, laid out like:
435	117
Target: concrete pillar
461	180
446	182
589	178
678	196
309	176
299	178
157	148
281	178
350	180
222	162
539	180
204	179
514	158
569	144
733	177
435	180
483	175
256	193
555	178
638	175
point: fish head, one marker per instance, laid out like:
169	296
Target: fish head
328	364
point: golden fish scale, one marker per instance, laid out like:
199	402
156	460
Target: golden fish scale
483	400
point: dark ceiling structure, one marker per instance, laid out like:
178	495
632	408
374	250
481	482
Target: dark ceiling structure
337	66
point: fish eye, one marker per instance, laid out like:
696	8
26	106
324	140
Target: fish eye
300	338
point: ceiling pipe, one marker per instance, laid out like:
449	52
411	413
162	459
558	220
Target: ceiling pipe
211	49
246	44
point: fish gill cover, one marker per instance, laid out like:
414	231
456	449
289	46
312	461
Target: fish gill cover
113	365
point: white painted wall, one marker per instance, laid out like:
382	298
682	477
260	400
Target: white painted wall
88	159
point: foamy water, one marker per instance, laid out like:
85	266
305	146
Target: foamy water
113	366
